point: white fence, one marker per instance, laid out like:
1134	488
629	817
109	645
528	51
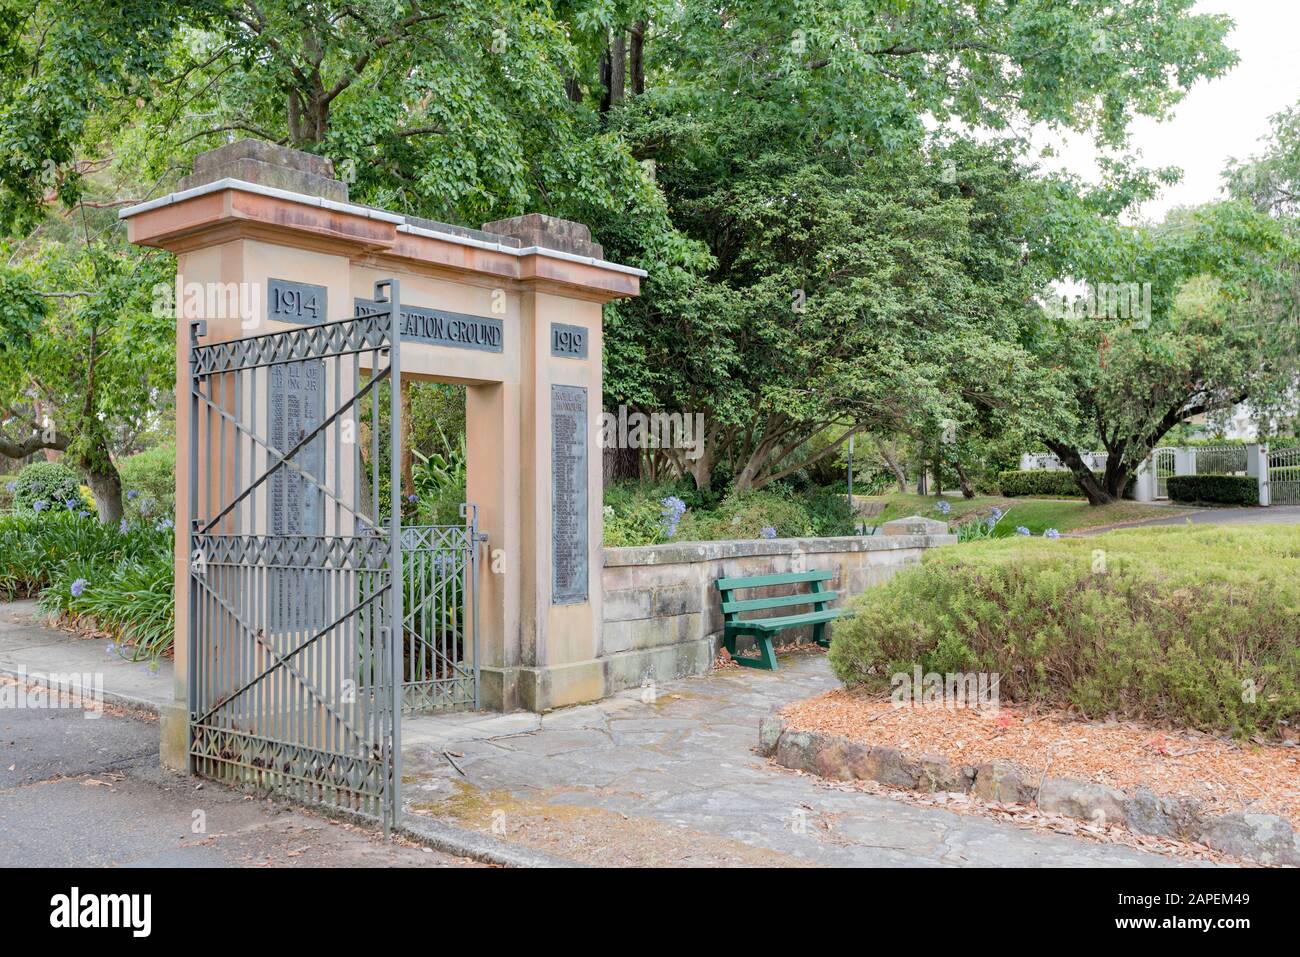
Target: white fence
1277	472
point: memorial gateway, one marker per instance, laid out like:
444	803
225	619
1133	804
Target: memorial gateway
307	615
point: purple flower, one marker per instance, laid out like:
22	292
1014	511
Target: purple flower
82	514
412	498
132	495
995	513
73	504
166	524
673	508
121	527
10	487
767	531
110	648
1051	533
38	506
1021	530
78	587
944	508
146	506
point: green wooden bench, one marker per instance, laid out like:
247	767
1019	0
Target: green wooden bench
762	629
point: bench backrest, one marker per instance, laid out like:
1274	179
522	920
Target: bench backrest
816	596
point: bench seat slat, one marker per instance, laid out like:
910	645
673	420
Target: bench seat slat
789	621
756	604
786	578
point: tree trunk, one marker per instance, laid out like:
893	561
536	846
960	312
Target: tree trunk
617	67
621	465
890	454
1096	492
636	57
106	485
967	489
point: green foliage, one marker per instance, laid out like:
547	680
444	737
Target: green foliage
1038	482
149	483
439	479
6	492
1214	489
126	589
746	515
52	484
1195	626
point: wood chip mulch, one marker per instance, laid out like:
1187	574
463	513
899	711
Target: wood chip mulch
1225	774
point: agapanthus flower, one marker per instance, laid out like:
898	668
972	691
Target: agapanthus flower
1051	533
944	508
995	513
132	494
673	508
11	487
121	527
83	514
38	506
78	587
412	498
166	524
73	504
1021	530
767	531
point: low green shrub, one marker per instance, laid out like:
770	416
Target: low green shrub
1038	482
760	514
47	487
149	483
1214	489
1197	626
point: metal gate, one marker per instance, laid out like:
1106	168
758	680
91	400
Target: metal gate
293	667
440	629
1284	476
1164	463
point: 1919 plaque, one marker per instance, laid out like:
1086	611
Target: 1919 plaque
568	494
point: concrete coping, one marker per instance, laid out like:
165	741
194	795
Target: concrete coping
680	553
402	223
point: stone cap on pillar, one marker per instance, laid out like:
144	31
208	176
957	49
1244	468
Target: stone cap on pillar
267	164
548	232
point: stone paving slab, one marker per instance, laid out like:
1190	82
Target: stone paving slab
637	779
31	648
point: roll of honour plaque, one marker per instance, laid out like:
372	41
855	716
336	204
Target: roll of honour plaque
568	494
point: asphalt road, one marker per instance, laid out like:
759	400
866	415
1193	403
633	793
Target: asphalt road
89	792
1273	515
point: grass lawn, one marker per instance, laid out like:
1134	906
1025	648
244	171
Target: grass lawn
1036	514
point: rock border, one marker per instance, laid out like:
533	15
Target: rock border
1261	838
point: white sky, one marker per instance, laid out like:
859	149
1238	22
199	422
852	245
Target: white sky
1219	118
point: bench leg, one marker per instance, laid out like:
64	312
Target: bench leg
766	656
819	635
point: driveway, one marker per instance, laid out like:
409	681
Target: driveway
1272	515
81	791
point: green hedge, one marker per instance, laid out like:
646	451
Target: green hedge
1039	482
1214	489
1191	625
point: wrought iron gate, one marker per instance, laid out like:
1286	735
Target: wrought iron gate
1164	463
440	629
1284	476
293	665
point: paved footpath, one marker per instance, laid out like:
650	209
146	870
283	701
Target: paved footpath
666	779
675	782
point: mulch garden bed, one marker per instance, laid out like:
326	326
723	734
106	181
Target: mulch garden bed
1224	775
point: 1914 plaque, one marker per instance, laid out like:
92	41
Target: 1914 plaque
568	494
